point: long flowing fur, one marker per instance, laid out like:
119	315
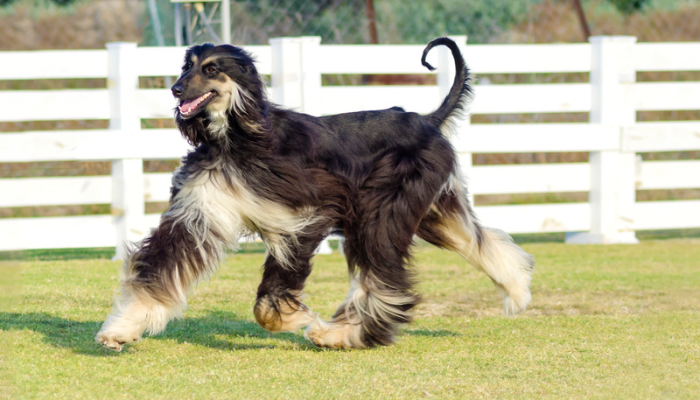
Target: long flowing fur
377	177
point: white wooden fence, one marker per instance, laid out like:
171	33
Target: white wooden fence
296	64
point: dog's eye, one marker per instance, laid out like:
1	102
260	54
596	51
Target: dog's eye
210	69
186	67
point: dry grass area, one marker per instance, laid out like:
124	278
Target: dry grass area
582	280
88	26
556	301
556	22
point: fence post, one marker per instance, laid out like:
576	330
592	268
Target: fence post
286	72
128	207
310	49
459	134
613	177
296	77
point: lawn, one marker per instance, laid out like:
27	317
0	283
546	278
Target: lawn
617	321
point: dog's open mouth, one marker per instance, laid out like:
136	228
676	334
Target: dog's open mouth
189	108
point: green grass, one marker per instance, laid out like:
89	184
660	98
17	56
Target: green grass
605	322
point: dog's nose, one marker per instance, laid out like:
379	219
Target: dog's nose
177	90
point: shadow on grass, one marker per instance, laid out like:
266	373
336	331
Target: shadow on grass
214	330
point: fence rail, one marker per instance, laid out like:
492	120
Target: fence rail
613	136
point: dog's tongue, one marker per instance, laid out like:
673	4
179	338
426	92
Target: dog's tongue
189	105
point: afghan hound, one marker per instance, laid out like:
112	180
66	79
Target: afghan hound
379	178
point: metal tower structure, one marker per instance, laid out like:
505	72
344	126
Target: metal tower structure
194	18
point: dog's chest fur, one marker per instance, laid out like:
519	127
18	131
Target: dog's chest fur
217	201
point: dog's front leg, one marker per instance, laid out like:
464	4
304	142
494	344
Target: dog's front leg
186	247
279	306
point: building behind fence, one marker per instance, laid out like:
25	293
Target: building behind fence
613	136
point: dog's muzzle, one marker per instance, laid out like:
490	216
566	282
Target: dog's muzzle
191	107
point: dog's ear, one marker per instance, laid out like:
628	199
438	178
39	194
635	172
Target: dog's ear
249	69
187	61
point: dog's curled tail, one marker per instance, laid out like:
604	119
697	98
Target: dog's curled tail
460	91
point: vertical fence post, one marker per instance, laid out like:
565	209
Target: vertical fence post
128	206
613	177
459	136
286	73
225	21
310	49
296	80
296	77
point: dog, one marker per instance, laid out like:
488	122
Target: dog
379	178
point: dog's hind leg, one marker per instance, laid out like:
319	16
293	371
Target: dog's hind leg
451	224
390	206
370	315
378	303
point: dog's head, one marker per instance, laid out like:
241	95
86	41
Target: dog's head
218	82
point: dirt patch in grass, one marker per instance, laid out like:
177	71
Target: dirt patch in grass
558	302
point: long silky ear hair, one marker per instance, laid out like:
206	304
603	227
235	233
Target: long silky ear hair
251	83
194	130
251	113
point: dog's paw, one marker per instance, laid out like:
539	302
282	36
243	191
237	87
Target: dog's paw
516	301
118	331
114	341
281	316
332	335
316	332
